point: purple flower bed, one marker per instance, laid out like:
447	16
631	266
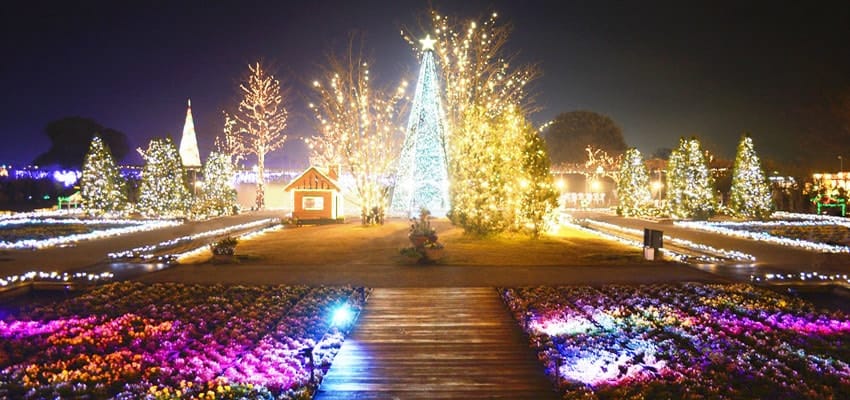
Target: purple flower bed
130	340
684	341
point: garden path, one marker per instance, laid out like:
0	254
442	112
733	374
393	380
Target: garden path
435	343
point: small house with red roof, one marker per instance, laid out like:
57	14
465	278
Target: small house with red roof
316	195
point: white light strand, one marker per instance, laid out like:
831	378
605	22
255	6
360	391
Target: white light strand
722	254
565	221
842	279
146	252
62	240
764	236
41	276
245	236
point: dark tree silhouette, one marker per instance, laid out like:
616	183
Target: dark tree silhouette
70	138
571	132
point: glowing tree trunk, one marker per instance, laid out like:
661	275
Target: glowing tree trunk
633	185
422	178
101	186
259	121
750	195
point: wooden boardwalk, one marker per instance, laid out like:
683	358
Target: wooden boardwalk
435	343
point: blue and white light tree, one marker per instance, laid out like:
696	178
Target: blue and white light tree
422	171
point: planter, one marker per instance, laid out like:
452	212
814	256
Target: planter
418	240
433	253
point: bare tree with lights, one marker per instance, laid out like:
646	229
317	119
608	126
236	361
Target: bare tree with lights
259	121
229	142
359	127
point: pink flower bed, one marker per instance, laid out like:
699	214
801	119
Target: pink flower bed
130	340
684	341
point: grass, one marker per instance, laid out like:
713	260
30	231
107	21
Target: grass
352	244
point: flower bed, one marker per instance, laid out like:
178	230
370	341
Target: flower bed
130	340
684	341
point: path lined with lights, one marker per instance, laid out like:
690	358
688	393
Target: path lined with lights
438	343
92	252
770	257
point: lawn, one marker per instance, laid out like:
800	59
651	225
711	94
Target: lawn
353	243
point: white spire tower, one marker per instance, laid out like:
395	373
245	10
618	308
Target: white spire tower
189	143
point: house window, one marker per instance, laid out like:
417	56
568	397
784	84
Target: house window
313	203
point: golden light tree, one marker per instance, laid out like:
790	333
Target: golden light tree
259	121
359	128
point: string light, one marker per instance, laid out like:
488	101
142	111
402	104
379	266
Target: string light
42	276
723	228
147	252
137	226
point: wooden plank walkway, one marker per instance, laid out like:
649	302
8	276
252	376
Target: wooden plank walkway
435	343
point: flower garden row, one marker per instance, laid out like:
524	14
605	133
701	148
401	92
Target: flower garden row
684	341
131	340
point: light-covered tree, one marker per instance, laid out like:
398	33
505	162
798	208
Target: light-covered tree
750	195
690	186
633	185
485	188
359	126
486	107
163	191
229	142
259	121
218	195
101	186
539	196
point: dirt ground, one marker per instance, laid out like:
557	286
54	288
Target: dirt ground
353	244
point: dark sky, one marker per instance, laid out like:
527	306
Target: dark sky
660	70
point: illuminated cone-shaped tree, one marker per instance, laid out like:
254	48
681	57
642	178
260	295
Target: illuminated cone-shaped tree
101	186
422	180
750	195
690	187
633	185
163	190
219	196
539	197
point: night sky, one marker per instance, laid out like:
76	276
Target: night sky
660	70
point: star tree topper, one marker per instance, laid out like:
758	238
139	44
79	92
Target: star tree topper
427	43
